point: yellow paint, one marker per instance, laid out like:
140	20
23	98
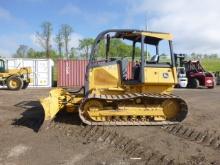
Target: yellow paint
160	113
14	83
17	72
55	102
150	88
134	111
166	36
159	76
104	77
107	80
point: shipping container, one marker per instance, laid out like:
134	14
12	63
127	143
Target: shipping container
41	69
71	73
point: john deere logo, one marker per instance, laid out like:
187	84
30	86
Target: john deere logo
165	75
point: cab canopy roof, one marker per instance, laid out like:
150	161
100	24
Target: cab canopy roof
152	38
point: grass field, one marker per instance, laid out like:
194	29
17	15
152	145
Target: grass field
212	65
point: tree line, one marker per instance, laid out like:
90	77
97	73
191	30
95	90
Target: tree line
202	56
62	41
63	48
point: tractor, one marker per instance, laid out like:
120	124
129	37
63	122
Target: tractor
197	75
110	97
14	79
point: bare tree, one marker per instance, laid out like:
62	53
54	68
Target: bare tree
44	37
59	41
66	31
21	51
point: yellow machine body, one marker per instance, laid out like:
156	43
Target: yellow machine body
107	79
19	71
15	79
112	100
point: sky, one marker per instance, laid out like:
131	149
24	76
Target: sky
195	24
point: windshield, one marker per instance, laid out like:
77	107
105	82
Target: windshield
158	54
118	49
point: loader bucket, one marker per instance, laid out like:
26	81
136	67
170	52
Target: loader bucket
52	104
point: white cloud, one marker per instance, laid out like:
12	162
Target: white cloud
92	17
70	9
34	41
4	53
7	17
100	18
10	43
194	23
5	14
74	42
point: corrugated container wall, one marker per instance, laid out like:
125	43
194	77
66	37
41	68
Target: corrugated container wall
41	69
71	73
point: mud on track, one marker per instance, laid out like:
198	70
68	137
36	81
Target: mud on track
24	139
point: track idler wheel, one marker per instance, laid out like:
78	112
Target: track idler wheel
94	106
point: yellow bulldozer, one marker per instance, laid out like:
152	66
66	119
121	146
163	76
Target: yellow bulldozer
110	97
14	79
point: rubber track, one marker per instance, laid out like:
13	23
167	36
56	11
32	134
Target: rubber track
201	137
180	117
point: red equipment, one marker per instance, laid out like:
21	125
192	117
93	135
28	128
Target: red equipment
197	76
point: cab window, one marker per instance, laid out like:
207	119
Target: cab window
2	66
158	54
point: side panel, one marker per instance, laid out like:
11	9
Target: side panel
107	76
160	75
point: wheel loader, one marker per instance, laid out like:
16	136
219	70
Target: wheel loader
110	97
14	79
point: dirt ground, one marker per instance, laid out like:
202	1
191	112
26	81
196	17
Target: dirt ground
25	140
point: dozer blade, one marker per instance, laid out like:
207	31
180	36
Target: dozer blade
53	104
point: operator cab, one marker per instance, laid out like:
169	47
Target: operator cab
135	52
193	66
2	66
